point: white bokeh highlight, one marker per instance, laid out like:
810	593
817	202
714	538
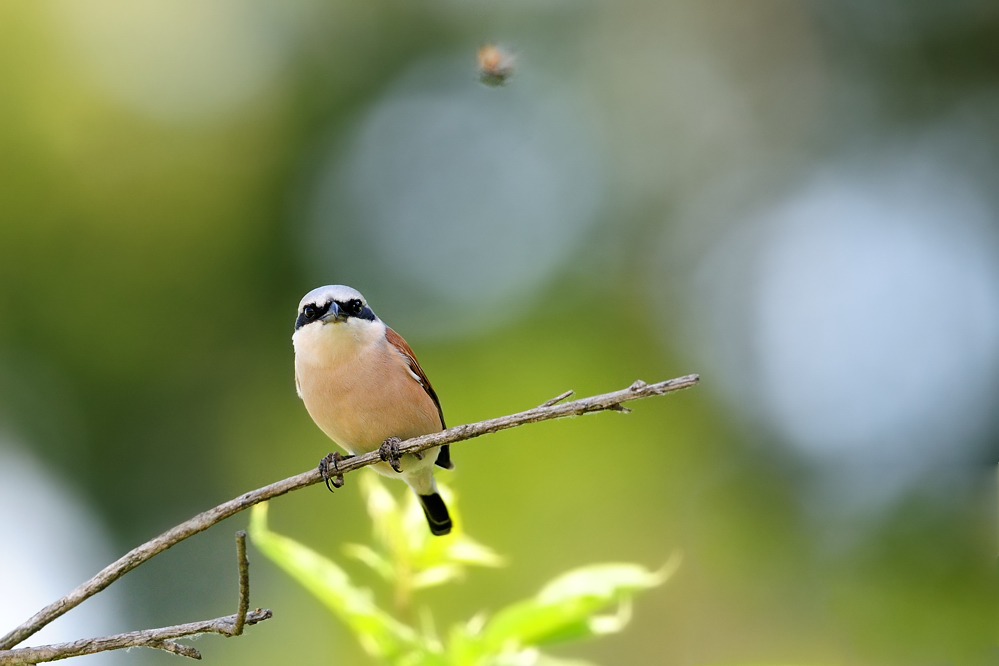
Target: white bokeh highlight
858	319
877	325
463	198
52	543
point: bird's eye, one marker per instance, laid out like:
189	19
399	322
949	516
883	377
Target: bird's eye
310	311
354	306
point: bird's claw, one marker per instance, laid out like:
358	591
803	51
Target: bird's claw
389	452
329	469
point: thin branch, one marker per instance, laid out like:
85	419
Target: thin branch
176	648
202	521
231	625
557	399
244	583
153	638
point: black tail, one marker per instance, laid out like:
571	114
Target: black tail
436	512
444	457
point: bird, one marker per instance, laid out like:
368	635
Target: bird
362	385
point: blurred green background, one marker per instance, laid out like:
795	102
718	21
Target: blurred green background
798	200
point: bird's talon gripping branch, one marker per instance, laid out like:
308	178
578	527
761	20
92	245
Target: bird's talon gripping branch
389	452
328	463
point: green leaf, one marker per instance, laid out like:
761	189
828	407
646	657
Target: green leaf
368	556
380	634
467	551
456	548
436	576
602	582
531	623
464	645
423	659
385	514
406	547
569	606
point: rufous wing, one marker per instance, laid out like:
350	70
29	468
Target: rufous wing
396	340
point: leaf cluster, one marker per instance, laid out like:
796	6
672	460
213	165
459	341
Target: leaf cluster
585	602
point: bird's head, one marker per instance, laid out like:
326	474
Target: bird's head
334	312
333	304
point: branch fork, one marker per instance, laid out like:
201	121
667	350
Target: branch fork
160	639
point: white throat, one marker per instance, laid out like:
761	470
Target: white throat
326	344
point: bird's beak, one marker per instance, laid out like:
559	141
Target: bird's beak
333	315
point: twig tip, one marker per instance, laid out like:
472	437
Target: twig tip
176	648
557	399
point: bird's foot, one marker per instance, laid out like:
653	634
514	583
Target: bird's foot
329	469
389	452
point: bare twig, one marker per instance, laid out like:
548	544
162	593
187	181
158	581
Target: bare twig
244	583
202	521
231	625
153	638
557	399
176	648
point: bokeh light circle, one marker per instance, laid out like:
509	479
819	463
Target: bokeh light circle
858	317
452	203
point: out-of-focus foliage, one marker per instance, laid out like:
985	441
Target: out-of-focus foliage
569	608
379	633
405	554
796	200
